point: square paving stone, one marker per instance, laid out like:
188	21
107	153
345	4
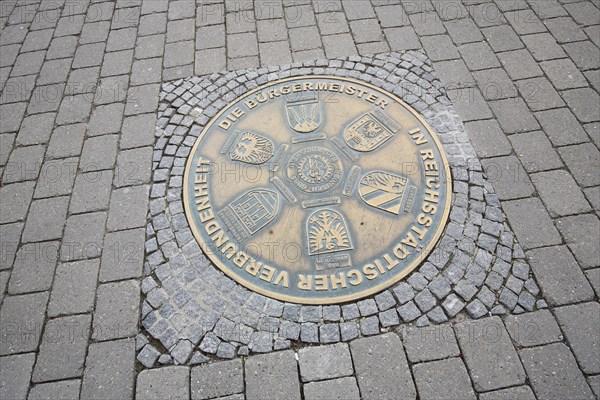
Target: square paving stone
563	74
335	389
583	161
565	30
519	392
138	131
535	151
580	324
581	235
64	390
584	13
106	119
495	84
63	348
502	38
74	109
163	383
488	139
463	31
560	193
533	329
125	255
83	236
593	276
525	22
489	354
24	164
520	64
33	270
514	116
88	55
583	102
56	178
339	45
470	104
99	153
430	343
508	177
217	379
539	94
268	376
15	375
454	73
110	370
117	308
91	191
553	373
36	129
46	219
241	45
426	23
325	362
478	56
543	46
366	30
381	367
559	276
584	54
449	377
438	47
562	127
14	201
74	288
11	116
402	38
134	167
142	99
111	89
128	208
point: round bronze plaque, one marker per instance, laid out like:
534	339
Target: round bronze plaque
317	189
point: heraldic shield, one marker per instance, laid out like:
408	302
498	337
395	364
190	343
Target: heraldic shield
304	115
383	190
252	148
327	232
250	212
370	131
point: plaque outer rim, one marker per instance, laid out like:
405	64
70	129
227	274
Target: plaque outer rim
307	300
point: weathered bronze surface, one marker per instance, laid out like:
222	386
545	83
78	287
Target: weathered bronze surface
317	190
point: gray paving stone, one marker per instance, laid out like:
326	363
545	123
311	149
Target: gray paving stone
106	119
325	362
429	343
565	30
33	269
519	392
553	372
217	379
133	167
335	389
339	45
124	259
478	56
489	354
67	390
533	329
454	73
502	38
539	94
128	208
138	131
594	382
514	116
83	236
74	287
508	177
583	161
381	367
425	23
117	308
142	99
56	178
91	191
167	382
449	377
495	84
579	323
36	129
543	46
99	153
267	376
439	47
488	139
15	200
584	54
110	370
520	64
559	276
470	104
561	126
531	223
46	219
535	151
63	348
580	233
15	375
24	164
593	276
560	193
563	74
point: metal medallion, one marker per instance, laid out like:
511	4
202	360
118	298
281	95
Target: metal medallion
317	190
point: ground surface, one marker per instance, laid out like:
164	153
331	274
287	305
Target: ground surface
80	85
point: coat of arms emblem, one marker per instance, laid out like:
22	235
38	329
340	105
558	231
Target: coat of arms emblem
384	190
304	114
250	212
251	148
327	232
370	131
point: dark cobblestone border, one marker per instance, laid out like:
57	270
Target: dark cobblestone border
193	312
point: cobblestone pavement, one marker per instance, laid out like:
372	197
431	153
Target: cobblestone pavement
80	84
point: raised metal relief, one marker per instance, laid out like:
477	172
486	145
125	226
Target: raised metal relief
317	190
